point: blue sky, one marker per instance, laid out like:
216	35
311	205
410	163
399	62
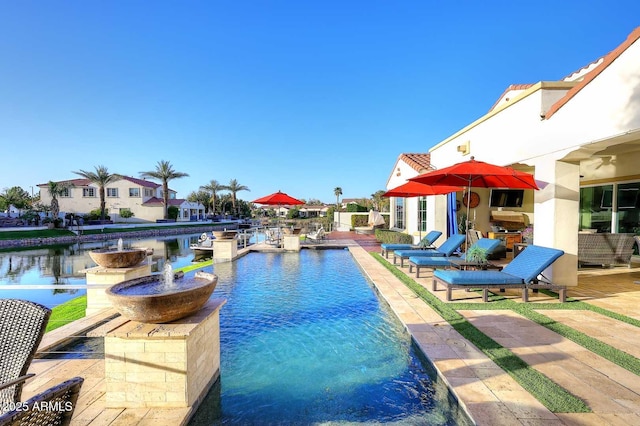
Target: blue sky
298	96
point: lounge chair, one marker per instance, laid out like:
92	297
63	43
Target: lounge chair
522	272
316	236
447	248
425	243
419	262
22	325
55	406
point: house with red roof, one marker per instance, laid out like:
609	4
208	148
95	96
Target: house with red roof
141	197
579	137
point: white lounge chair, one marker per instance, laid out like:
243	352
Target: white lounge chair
318	235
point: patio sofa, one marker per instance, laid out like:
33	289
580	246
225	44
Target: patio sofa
605	249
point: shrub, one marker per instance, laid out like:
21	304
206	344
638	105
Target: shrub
173	212
95	215
126	213
352	208
359	220
384	236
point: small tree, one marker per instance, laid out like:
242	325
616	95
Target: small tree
57	189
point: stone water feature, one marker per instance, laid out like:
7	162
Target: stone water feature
118	257
164	350
162	298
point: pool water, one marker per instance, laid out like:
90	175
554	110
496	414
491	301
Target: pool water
305	340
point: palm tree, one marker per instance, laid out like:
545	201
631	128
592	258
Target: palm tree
57	189
233	188
338	192
164	172
213	188
102	178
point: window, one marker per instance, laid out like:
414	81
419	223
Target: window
628	217
597	207
134	192
66	193
399	213
88	192
148	192
422	213
112	192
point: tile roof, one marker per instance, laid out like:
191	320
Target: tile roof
608	60
141	182
155	201
512	88
417	161
74	182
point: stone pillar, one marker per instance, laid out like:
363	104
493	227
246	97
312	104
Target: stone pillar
225	250
163	365
292	242
102	278
556	216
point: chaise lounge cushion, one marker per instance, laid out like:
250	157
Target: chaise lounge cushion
446	249
488	244
524	269
425	242
480	278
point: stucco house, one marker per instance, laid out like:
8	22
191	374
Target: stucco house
142	197
579	137
409	215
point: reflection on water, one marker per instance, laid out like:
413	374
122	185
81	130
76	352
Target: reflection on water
63	265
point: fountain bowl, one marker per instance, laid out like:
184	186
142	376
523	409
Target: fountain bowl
114	258
144	299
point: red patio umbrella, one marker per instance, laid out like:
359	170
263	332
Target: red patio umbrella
478	174
417	189
278	198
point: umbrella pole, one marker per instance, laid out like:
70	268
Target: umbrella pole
466	228
419	219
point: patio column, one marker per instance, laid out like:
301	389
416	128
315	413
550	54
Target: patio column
556	216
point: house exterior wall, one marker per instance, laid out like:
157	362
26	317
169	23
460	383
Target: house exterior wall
78	203
561	148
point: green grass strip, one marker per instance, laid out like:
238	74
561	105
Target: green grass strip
549	393
42	233
74	309
67	312
195	266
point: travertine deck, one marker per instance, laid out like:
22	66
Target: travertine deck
491	396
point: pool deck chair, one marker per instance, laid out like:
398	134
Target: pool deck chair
425	243
522	272
487	244
446	249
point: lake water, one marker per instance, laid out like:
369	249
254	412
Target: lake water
63	264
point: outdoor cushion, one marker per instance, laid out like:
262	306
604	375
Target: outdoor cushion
426	241
519	272
472	278
488	244
446	249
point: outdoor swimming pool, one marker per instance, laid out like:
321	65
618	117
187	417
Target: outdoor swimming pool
305	340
